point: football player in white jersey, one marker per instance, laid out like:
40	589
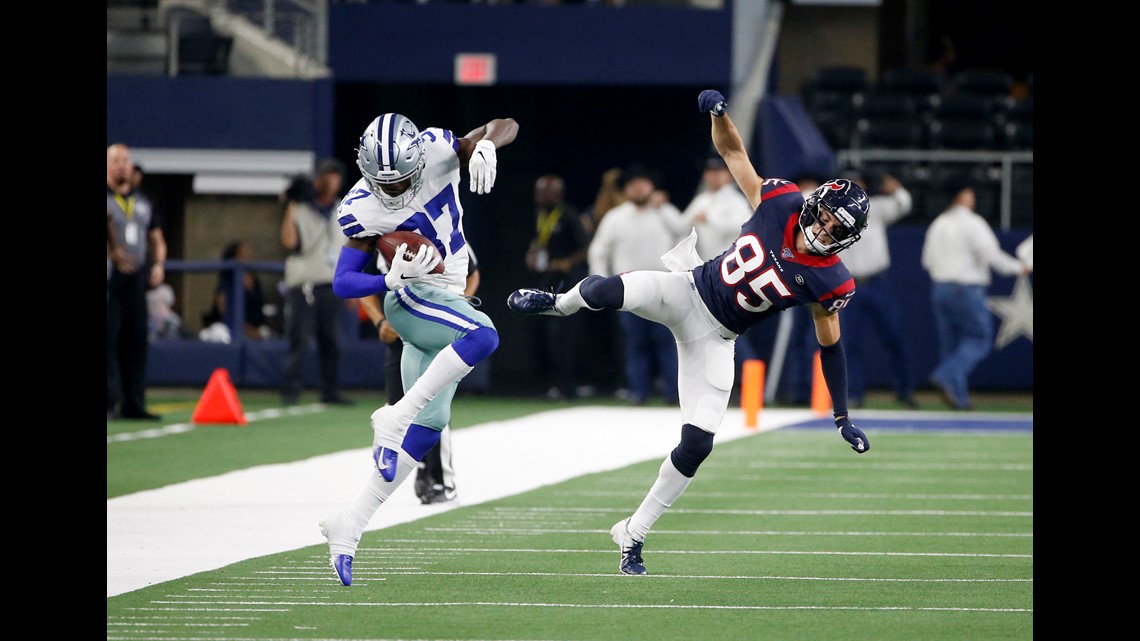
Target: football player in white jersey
410	181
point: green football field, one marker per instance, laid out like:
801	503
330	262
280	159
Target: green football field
784	535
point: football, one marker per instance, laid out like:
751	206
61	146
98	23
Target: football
387	244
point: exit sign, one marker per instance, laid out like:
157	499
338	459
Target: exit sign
475	69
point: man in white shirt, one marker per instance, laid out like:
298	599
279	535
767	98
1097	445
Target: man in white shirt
959	251
876	309
718	211
633	236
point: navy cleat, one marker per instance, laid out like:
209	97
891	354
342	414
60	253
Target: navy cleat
631	562
532	302
342	563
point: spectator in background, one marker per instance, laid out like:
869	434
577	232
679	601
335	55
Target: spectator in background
163	321
312	236
137	175
557	256
609	196
255	325
876	308
717	211
1024	252
435	475
633	236
136	255
596	357
959	251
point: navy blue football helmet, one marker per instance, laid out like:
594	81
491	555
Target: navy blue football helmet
848	205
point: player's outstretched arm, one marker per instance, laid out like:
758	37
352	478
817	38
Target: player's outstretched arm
477	151
833	362
726	138
500	131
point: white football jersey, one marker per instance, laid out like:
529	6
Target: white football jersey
435	212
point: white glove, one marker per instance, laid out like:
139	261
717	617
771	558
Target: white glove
482	167
403	272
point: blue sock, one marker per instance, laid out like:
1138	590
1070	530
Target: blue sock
419	440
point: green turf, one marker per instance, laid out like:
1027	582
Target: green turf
206	450
781	536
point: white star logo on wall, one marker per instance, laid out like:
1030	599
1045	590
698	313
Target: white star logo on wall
1016	312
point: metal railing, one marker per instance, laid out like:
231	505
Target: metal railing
236	298
302	24
855	159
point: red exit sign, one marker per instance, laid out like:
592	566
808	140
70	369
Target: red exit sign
475	69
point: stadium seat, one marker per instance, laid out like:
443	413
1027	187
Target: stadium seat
985	178
961	134
841	79
915	82
966	107
201	50
1021	194
207	54
832	112
982	82
1021	111
914	176
884	105
887	133
1018	136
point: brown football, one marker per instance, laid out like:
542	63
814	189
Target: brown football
387	244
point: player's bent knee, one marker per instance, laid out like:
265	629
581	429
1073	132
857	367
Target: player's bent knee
696	445
477	345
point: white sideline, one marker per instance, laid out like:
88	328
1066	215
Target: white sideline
175	531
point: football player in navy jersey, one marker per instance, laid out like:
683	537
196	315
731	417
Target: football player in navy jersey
784	256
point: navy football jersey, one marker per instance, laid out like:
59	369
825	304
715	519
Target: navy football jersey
762	274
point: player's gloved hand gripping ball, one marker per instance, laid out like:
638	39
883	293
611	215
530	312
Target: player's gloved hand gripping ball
713	102
403	270
852	434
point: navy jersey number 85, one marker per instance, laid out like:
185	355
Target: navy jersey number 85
762	274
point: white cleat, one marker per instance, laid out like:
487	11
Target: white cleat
631	562
340	551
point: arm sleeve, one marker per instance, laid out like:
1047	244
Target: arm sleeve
350	281
833	362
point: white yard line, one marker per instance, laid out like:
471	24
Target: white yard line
205	524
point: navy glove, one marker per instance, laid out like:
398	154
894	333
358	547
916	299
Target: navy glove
712	101
852	434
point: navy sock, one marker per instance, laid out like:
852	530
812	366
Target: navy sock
602	292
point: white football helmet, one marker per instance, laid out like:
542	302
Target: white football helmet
391	155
